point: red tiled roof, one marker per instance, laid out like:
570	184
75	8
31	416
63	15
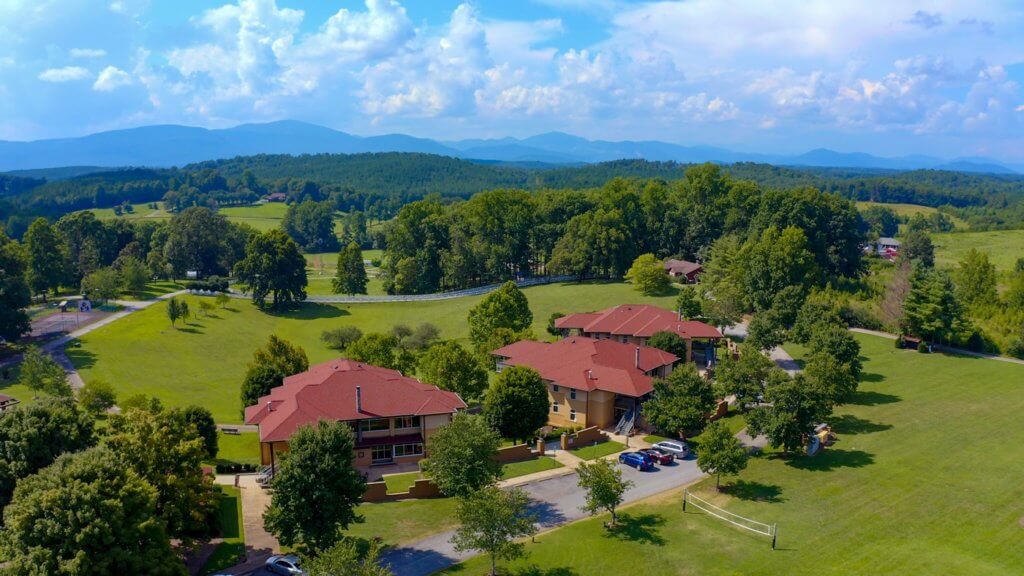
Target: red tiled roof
682	266
589	364
327	391
639	320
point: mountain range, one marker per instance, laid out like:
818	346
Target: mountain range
173	145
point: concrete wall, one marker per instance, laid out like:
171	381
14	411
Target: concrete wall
584	437
513	453
422	488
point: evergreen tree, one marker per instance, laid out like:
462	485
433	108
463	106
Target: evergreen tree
350	277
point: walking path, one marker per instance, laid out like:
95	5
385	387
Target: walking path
942	348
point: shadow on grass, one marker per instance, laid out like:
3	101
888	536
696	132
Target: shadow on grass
756	491
81	359
831	459
850	424
538	571
871	398
642	528
192	329
308	311
871	377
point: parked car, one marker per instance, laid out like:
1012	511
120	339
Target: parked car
636	460
286	565
659	457
678	449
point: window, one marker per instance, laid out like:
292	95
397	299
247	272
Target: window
572	415
381	454
554	387
407	422
572	394
374	424
408	450
554	407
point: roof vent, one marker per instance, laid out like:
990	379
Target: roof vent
270	406
590	374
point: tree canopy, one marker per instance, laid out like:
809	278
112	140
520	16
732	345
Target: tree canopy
273	266
461	457
680	403
516	404
270	366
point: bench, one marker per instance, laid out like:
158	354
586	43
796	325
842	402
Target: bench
233	431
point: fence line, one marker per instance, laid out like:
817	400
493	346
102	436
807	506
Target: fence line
424	297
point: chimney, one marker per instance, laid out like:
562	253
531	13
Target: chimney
270	406
359	399
590	374
637	356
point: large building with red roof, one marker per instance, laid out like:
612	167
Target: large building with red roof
392	415
590	382
636	323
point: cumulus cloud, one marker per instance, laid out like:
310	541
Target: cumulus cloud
926	20
111	78
66	74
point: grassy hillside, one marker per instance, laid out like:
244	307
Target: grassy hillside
204	362
917	484
1004	247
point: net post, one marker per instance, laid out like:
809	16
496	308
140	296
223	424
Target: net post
775	534
685	493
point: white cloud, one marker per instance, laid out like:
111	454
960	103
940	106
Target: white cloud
87	53
66	74
111	78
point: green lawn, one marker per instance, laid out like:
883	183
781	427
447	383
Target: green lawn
404	521
734	421
398	483
242	448
595	451
139	212
204	361
154	289
909	210
230	517
1004	247
921	481
539	464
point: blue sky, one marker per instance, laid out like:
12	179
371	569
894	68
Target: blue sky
893	78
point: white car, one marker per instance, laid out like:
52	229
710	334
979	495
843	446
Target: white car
678	449
286	565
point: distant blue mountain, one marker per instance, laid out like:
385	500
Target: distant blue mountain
170	145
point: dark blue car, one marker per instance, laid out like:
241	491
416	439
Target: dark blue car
636	460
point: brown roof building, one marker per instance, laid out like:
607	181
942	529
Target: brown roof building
590	382
688	272
636	323
391	414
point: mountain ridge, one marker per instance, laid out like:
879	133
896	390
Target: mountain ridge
167	145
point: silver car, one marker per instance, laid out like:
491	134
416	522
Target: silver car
678	449
286	565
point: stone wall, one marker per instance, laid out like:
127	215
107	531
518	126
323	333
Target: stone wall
422	488
513	453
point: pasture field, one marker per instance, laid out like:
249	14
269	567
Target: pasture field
139	212
908	210
1004	247
203	362
921	481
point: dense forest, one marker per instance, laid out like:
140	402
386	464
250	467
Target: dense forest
380	184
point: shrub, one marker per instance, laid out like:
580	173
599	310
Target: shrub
211	284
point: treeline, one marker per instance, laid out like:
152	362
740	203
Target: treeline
380	184
503	234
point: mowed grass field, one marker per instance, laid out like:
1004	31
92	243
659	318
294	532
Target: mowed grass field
1004	247
204	361
923	480
321	267
909	210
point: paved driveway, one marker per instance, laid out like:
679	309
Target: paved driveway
556	501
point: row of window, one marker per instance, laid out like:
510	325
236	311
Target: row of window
375	424
572	392
572	411
381	454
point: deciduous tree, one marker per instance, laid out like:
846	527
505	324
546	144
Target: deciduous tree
15	294
516	404
976	278
316	488
273	266
491	521
269	367
681	403
107	523
452	367
648	275
604	486
795	406
346	559
719	452
102	284
462	455
41	373
97	396
47	257
745	377
506	307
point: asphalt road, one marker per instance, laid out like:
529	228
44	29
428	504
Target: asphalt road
556	502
